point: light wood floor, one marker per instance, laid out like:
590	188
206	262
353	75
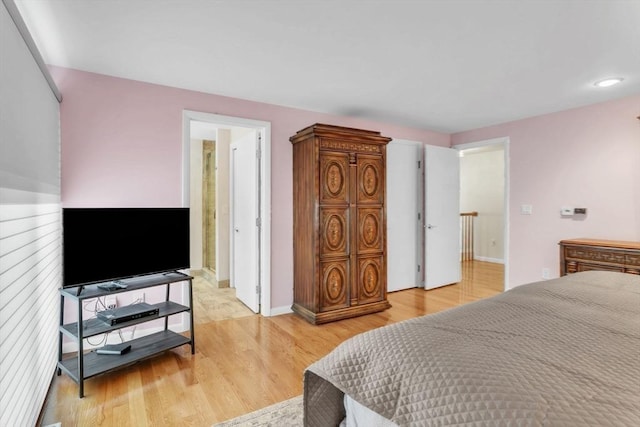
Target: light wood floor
211	303
240	364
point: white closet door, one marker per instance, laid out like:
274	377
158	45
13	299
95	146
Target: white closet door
244	233
404	237
442	216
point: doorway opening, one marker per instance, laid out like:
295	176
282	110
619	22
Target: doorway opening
484	188
409	221
229	196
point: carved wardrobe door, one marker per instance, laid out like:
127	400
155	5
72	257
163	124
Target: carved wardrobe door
339	223
370	229
334	230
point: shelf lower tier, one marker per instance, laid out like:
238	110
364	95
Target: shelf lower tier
141	348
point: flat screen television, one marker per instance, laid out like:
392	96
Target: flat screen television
107	244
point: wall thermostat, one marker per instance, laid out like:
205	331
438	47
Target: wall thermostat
566	211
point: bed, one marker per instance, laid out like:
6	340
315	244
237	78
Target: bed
559	352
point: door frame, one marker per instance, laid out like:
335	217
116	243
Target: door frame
504	142
264	166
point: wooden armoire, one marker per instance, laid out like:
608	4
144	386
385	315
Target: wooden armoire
339	223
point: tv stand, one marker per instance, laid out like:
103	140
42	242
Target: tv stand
85	365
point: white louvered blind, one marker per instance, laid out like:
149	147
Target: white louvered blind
29	305
30	236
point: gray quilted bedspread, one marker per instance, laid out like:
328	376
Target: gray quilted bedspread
563	352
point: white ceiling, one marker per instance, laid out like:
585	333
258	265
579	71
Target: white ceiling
442	65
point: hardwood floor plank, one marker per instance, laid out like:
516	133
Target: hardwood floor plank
242	363
136	400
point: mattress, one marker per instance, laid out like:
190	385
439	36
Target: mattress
559	352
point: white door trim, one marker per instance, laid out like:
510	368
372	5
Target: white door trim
504	141
265	188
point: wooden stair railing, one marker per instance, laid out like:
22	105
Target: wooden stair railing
466	224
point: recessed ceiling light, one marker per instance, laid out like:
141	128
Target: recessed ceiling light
608	82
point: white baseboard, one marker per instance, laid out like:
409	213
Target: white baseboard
276	311
487	259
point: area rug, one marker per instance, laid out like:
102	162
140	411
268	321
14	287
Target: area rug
283	414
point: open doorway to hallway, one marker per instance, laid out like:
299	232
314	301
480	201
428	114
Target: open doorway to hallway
225	193
214	297
484	195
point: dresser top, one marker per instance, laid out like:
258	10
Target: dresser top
622	244
339	132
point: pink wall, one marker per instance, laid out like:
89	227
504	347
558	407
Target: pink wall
122	146
585	157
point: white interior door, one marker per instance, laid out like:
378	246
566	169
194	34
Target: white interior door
403	215
442	216
244	225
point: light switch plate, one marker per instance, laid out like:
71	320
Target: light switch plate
526	209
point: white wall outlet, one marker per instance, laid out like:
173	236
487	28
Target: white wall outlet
110	301
137	298
546	274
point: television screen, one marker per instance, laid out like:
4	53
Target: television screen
103	244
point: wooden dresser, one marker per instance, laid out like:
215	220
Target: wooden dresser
591	254
339	223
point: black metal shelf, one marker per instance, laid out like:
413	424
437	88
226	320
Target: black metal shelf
88	364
